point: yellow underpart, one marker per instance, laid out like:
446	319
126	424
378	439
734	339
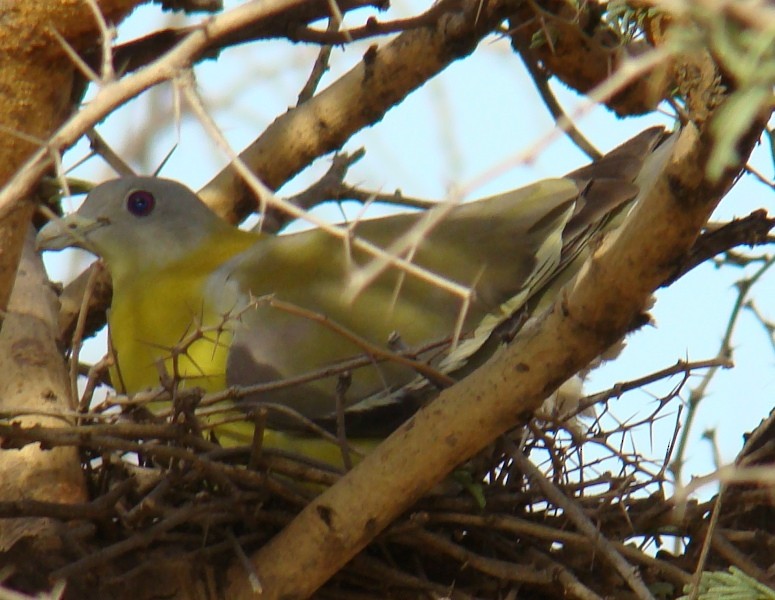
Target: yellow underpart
156	310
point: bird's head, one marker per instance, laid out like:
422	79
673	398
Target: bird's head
142	221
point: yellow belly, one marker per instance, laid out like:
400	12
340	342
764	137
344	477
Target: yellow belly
167	339
162	324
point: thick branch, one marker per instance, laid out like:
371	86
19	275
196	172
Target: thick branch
360	98
599	308
36	94
33	379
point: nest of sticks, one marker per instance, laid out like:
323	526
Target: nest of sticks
549	510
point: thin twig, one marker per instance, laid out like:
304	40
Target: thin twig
542	84
582	522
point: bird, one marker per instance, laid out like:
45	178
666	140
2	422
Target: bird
213	306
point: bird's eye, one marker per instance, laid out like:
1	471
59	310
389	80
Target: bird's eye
140	203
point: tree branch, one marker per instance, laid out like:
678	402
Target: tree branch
33	378
609	293
356	100
36	95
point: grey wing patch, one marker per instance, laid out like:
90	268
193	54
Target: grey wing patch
246	367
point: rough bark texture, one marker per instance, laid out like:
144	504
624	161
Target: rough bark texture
35	389
37	85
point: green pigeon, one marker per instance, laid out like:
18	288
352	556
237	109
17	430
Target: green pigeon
216	306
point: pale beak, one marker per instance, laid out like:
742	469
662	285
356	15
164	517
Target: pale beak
69	231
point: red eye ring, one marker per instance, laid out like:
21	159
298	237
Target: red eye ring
140	203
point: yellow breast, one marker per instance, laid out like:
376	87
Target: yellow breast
173	320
